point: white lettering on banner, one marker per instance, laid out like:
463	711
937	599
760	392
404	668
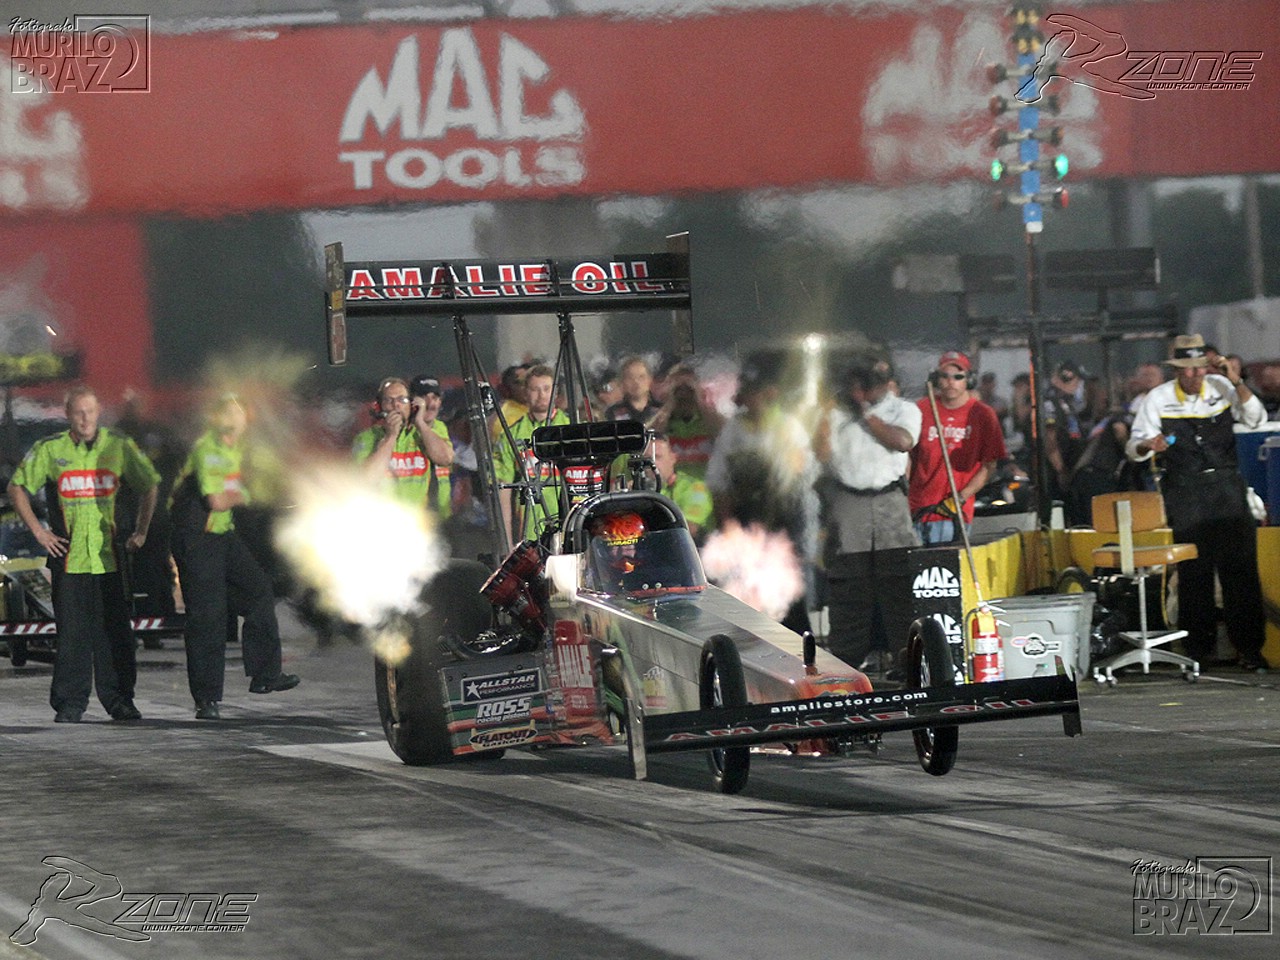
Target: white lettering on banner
459	98
41	157
920	111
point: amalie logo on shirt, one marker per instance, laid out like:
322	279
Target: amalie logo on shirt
77	484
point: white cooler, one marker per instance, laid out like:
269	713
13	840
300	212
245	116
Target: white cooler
1036	629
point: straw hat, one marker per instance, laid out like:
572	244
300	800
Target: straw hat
1189	351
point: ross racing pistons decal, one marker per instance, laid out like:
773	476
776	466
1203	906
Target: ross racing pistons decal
496	686
506	737
490	712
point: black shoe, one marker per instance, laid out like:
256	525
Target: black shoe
281	681
1254	662
207	710
125	710
68	715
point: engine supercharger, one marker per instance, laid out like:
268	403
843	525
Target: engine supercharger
987	659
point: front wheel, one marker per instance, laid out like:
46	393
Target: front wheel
723	684
411	700
929	664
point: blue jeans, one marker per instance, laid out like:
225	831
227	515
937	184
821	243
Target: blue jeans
936	533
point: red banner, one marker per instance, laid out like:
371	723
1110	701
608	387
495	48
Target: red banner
492	110
82	285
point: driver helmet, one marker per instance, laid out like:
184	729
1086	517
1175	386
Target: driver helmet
620	532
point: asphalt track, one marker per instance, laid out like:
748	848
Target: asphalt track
1026	850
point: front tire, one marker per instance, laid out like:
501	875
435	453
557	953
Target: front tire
929	664
723	684
411	699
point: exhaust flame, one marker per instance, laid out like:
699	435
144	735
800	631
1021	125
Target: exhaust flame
758	567
366	555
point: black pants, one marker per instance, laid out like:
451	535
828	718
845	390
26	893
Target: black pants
1229	547
857	585
220	577
96	646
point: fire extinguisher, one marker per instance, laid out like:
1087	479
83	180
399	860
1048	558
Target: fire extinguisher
988	650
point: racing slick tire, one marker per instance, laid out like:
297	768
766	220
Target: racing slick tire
411	702
929	664
723	684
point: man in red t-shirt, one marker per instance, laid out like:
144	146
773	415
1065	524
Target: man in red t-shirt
974	442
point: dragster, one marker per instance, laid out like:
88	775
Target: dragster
603	628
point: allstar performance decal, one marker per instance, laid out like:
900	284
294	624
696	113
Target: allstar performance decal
859	715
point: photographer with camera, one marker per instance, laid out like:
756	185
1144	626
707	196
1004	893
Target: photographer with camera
409	447
1188	422
863	445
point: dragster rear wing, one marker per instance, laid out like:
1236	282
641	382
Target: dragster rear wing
598	284
861	714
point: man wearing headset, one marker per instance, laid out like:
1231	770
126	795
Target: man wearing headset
409	446
975	442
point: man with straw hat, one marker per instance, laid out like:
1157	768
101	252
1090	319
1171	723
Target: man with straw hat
1187	422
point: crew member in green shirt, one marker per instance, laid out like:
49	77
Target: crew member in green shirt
82	469
538	385
409	448
689	493
218	572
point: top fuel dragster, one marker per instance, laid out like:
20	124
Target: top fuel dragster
603	628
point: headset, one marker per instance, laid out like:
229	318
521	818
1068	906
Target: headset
377	411
970	380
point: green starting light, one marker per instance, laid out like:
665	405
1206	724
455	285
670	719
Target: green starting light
1060	165
997	169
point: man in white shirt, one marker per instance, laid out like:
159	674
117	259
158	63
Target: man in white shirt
863	445
1188	422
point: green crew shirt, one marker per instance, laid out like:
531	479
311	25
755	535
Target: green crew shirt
212	467
504	465
87	478
694	500
412	475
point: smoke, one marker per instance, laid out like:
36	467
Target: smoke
758	567
366	555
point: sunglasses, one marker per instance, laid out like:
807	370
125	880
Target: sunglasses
951	376
1067	377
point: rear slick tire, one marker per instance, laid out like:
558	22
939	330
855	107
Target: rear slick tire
411	699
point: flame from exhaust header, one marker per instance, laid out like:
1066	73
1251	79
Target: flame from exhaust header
367	555
758	567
